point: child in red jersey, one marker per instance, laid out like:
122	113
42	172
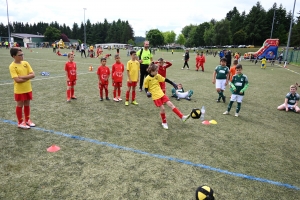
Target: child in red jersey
71	75
99	51
103	73
107	55
58	53
117	77
201	61
162	70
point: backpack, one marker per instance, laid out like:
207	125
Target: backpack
141	52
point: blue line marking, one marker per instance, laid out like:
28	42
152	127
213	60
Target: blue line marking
186	162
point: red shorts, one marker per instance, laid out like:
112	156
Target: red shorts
117	84
132	84
23	97
104	85
161	101
71	83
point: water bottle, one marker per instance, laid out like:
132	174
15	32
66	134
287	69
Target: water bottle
202	113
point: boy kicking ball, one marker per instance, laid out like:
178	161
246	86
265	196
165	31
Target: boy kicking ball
238	85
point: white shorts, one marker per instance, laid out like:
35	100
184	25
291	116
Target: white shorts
289	106
237	98
220	83
182	95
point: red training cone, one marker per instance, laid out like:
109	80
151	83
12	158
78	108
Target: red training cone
205	122
53	148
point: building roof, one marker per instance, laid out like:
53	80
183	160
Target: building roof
25	35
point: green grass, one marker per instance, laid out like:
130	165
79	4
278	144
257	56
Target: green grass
262	142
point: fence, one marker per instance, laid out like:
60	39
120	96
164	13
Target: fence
293	56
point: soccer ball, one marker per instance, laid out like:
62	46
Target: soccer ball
196	113
204	193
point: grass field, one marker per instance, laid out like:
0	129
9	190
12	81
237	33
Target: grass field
110	151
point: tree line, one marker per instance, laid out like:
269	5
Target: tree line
116	31
237	28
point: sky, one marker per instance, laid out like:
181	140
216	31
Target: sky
164	15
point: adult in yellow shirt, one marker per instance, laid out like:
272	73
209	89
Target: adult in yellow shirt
21	72
145	58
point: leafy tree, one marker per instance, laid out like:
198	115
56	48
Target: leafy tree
169	37
155	37
180	39
209	35
239	37
52	34
186	30
222	32
130	42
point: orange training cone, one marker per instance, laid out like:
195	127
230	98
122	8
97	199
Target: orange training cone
53	148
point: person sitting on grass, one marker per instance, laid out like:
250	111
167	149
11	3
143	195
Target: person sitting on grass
58	53
291	100
181	94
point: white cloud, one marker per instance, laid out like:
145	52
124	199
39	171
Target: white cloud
166	15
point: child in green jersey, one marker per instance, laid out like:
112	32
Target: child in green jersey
239	84
220	78
291	100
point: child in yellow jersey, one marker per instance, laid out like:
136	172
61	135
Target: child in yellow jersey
263	63
21	72
153	89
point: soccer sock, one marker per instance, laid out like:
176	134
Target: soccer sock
163	117
177	112
119	92
68	94
114	92
190	93
238	108
133	95
72	92
101	92
19	114
26	113
220	95
106	92
127	95
229	106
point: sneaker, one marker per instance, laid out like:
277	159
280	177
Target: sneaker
165	125
68	100
218	100
23	125
107	98
30	123
73	97
178	99
134	102
182	68
185	117
188	68
101	99
119	98
126	103
140	90
188	98
116	99
224	99
236	114
226	113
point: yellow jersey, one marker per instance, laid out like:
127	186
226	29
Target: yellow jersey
263	61
21	69
152	83
133	67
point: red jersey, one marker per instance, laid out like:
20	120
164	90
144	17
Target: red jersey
107	55
201	59
197	59
117	72
162	69
70	68
103	73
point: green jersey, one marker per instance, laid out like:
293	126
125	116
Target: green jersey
145	57
221	72
292	98
239	83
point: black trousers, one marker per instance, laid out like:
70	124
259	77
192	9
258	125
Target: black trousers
83	52
186	64
143	74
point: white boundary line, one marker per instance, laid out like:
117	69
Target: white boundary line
40	79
